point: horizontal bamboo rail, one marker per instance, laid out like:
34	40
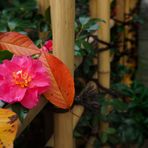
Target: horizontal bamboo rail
31	115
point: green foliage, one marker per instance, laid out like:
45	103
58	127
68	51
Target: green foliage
85	26
4	54
84	44
129	117
82	8
20	110
23	17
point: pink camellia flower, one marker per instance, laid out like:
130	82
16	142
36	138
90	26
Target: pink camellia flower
22	79
47	46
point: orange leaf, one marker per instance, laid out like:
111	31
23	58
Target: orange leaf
8	127
61	92
17	43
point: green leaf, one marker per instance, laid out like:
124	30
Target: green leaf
77	134
110	131
5	54
20	110
3	27
93	28
12	25
84	20
129	121
104	137
118	104
87	65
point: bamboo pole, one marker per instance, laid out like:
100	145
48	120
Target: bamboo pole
133	7
128	45
43	5
101	9
120	7
93	14
127	18
133	4
63	13
123	9
34	112
130	35
76	110
104	34
103	12
93	8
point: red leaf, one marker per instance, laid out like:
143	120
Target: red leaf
61	93
17	43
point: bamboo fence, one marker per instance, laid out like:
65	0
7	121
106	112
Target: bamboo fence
63	16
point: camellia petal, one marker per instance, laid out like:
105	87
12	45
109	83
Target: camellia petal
39	80
25	62
11	94
30	99
47	46
37	67
11	65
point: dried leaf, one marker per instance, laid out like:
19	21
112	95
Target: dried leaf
8	127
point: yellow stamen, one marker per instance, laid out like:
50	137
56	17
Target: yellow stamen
21	78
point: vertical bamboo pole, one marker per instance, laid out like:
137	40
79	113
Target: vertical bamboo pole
104	34
133	4
120	6
93	8
43	5
126	78
127	18
77	110
103	12
130	62
93	14
63	13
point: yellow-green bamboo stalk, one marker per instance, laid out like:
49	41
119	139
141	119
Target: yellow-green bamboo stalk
103	12
104	34
93	14
93	8
63	14
43	5
120	7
